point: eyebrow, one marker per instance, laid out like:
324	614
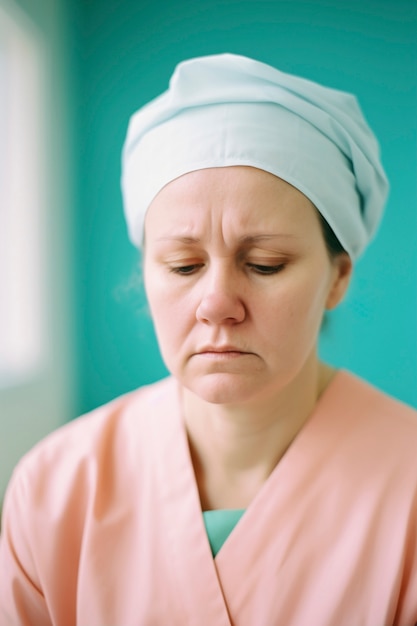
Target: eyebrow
246	239
180	238
252	239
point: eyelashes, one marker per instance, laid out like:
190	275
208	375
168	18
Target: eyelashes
186	270
266	270
256	268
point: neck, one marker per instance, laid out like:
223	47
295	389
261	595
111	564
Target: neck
235	448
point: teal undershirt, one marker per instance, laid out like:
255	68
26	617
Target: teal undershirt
219	525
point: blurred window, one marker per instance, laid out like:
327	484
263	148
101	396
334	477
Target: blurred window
21	198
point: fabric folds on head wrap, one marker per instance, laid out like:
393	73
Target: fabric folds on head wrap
227	109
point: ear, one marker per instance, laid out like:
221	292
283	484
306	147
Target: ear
342	271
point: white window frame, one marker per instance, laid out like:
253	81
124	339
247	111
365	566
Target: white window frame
22	198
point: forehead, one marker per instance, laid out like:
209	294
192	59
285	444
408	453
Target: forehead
239	198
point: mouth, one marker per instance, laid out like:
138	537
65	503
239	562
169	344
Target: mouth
222	352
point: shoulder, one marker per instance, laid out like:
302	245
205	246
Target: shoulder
379	430
122	413
357	394
107	439
78	479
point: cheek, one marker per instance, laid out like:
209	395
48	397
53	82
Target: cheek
171	314
165	322
296	310
310	309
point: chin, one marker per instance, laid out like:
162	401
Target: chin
223	389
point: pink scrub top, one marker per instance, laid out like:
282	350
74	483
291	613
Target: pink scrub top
103	526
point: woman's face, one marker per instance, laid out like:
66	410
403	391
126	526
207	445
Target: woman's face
237	277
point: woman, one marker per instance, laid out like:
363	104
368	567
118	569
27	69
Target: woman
252	193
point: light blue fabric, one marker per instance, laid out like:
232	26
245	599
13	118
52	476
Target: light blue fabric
227	109
219	524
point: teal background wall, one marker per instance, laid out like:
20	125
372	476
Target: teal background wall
126	52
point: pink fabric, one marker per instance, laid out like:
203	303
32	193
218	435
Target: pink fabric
103	527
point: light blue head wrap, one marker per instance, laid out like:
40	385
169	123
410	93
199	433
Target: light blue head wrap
226	109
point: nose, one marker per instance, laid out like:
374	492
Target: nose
221	301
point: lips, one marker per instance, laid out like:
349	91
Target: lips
226	349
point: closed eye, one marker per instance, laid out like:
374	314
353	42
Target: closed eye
186	270
266	269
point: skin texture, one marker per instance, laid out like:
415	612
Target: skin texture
238	277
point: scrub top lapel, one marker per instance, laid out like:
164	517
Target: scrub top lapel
267	537
196	573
